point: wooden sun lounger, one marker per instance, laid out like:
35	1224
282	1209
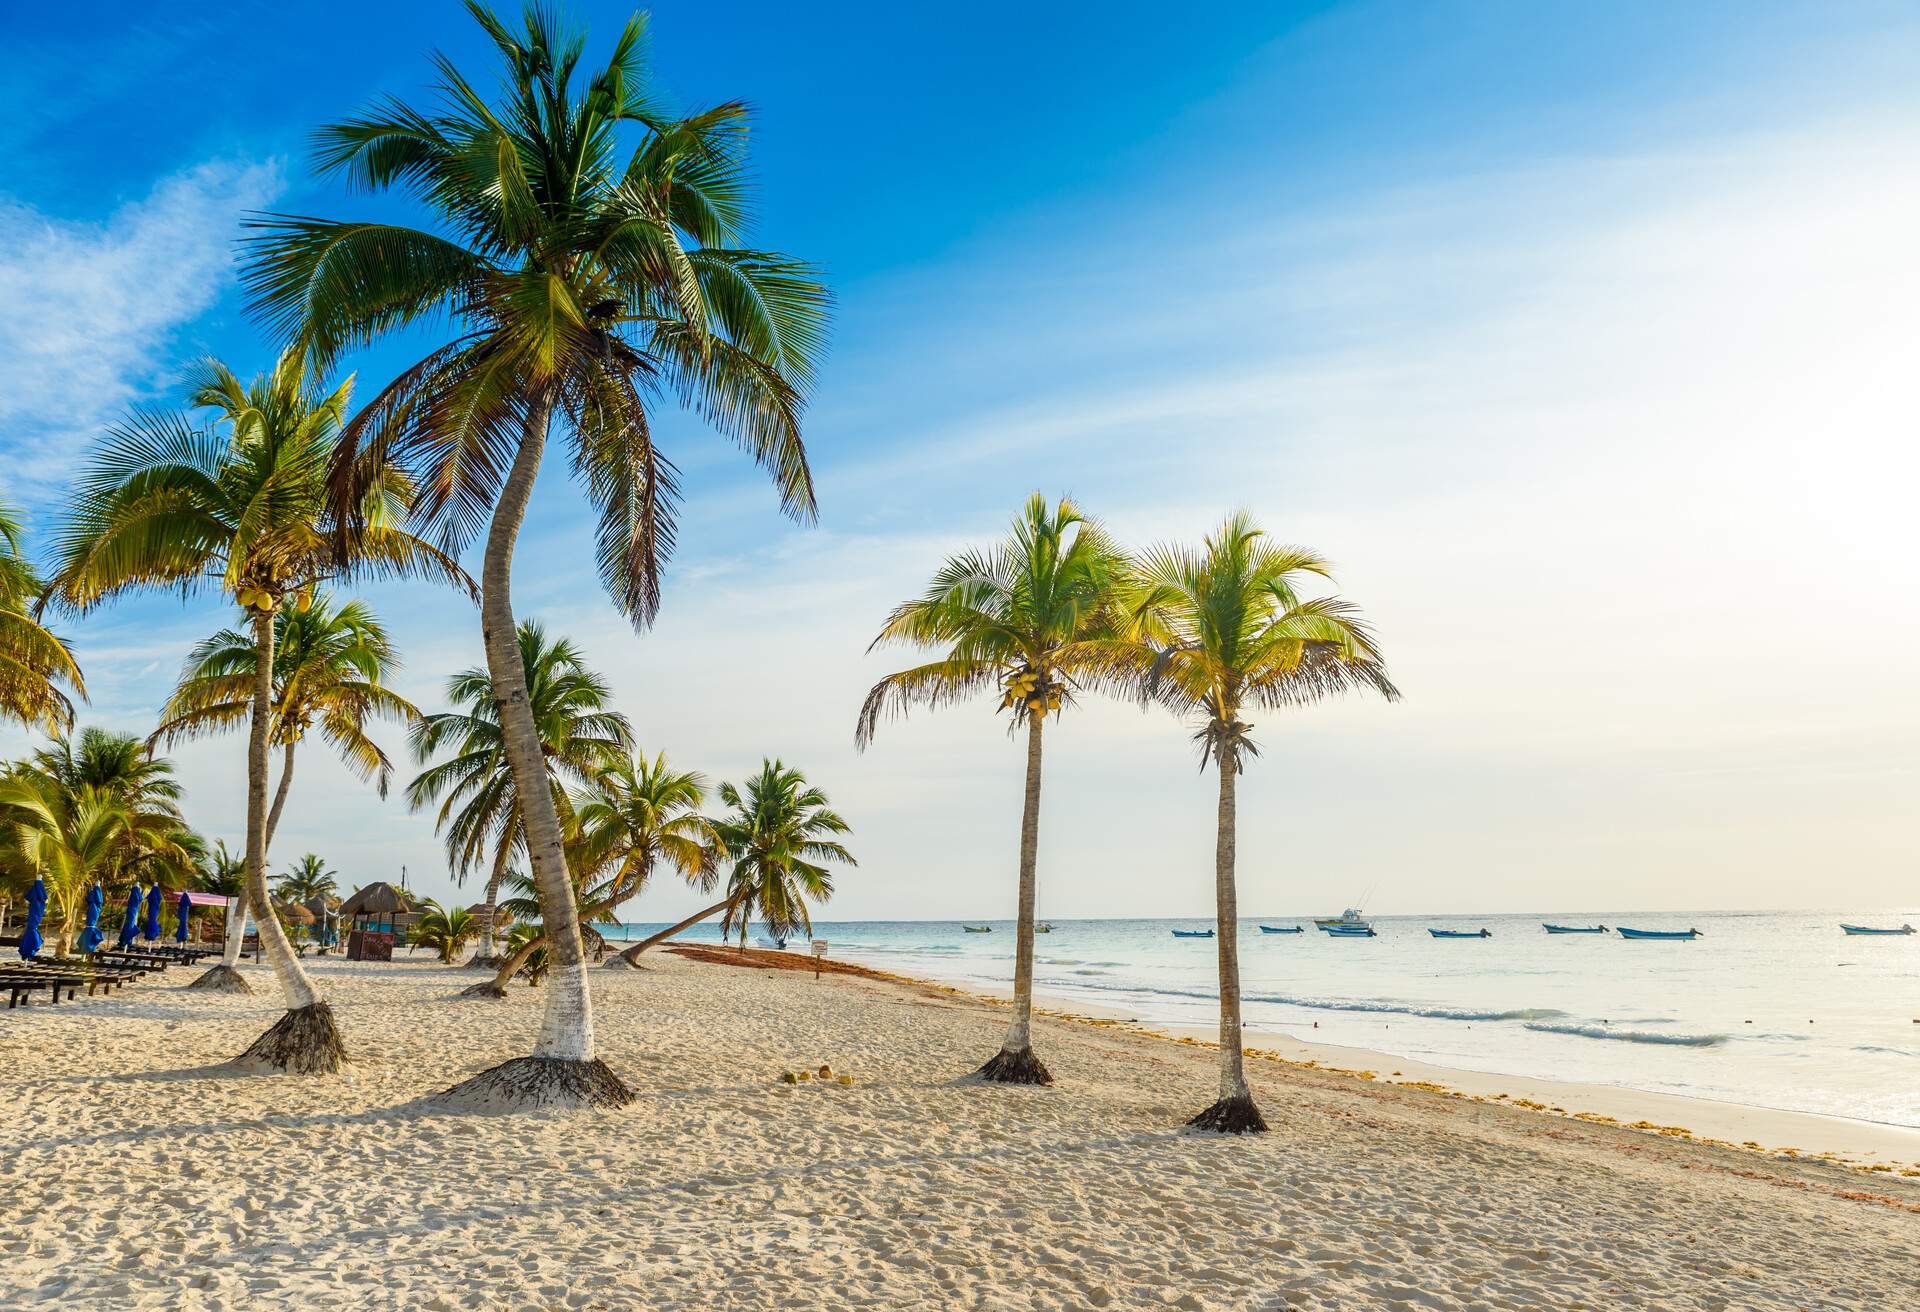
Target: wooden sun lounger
19	983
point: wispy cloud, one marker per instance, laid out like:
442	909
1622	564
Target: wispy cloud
92	309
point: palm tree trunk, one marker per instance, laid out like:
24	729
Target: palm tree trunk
631	956
1234	1113
563	1071
280	793
496	987
484	955
226	977
1016	1063
305	1040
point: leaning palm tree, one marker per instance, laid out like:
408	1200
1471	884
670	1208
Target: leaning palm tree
33	662
638	815
584	278
240	504
1217	632
480	816
331	666
780	839
1022	618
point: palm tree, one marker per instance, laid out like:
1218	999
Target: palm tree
1217	632
241	505
446	932
306	879
33	662
332	667
331	664
642	813
582	280
778	839
476	785
95	811
1025	618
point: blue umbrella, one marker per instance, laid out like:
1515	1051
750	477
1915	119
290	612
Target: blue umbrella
130	925
30	940
153	913
180	933
91	937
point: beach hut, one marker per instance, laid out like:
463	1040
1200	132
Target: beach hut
374	913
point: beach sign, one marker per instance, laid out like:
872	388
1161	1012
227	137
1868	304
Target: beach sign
819	951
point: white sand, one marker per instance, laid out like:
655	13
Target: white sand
135	1175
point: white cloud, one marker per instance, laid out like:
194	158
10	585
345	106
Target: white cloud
88	310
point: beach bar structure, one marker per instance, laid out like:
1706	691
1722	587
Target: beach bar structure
373	915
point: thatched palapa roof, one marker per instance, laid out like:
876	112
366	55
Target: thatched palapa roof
376	899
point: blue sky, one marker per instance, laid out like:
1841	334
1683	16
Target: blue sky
1579	336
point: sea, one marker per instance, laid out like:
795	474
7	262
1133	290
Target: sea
1768	1009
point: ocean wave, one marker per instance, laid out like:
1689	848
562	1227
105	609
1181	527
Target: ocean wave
1631	1036
1365	1006
1891	1052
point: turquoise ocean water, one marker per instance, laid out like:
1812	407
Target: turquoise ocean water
1772	1009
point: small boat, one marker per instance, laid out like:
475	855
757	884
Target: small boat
776	944
1461	933
1348	919
1348	931
1574	929
978	929
1281	929
1193	933
1044	927
1869	929
1659	933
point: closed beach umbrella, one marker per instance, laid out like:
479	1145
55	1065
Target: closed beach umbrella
153	913
30	939
91	937
180	933
130	924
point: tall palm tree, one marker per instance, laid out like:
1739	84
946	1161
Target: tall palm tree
241	505
1025	618
1219	632
33	662
642	813
584	278
306	879
331	664
779	838
476	786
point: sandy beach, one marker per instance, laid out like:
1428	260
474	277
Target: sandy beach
137	1174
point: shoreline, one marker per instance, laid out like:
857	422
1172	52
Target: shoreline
1770	1131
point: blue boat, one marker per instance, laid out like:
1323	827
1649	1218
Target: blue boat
1659	933
1868	929
1574	929
1193	933
1295	929
1343	931
1461	933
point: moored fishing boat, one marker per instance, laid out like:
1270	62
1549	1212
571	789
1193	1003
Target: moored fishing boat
978	929
1348	931
1869	929
1193	933
1573	929
1044	927
1281	929
1659	933
1348	919
1461	933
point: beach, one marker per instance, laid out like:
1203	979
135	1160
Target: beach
139	1174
